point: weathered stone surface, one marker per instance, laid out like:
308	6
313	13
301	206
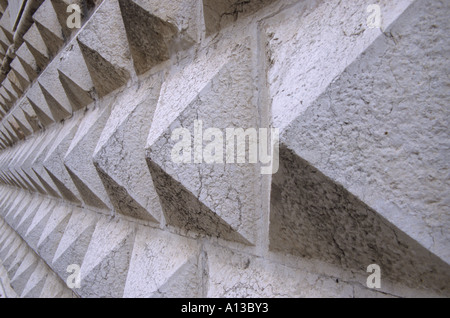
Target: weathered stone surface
36	282
216	199
54	92
36	99
78	158
74	242
149	37
55	288
48	24
105	76
228	270
53	232
53	162
163	265
28	216
186	15
372	130
22	123
220	13
88	138
36	46
25	274
119	154
313	217
105	48
105	265
311	48
39	222
6	290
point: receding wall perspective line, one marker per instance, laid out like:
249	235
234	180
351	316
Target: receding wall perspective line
224	149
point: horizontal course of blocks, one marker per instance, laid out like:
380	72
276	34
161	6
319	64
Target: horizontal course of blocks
87	176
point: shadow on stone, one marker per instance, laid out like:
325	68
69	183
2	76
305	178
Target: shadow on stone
313	217
183	210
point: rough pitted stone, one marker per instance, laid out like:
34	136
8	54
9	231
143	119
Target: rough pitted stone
24	272
228	269
29	114
105	47
104	268
31	164
50	82
53	232
6	291
214	199
37	48
75	241
36	99
184	14
149	37
53	162
105	76
311	48
21	74
11	89
28	216
78	159
39	223
118	154
59	112
27	273
313	217
72	56
36	282
379	128
47	22
220	13
54	287
22	123
160	259
87	176
16	259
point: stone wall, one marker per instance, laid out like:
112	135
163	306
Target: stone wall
88	179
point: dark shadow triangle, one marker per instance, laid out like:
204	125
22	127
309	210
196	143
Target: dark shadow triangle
89	197
183	210
105	76
78	97
121	199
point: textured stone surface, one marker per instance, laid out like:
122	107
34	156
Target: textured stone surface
105	265
229	270
185	15
163	265
88	179
24	274
382	127
215	199
315	218
118	153
149	37
221	13
312	48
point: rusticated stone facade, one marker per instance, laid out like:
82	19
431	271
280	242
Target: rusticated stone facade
88	178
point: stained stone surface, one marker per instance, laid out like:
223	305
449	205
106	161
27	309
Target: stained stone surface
315	218
227	200
91	118
382	127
